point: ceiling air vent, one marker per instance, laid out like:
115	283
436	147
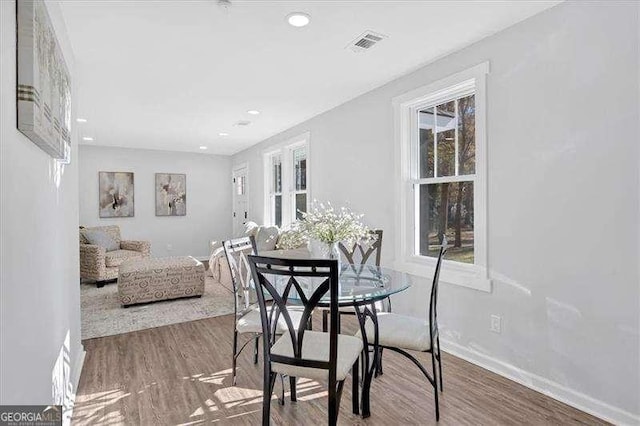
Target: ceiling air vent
243	123
365	41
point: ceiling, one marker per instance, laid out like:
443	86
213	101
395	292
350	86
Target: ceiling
172	75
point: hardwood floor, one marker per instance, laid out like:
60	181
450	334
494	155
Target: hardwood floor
181	374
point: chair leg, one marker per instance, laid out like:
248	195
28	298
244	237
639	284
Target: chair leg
355	387
292	387
255	349
333	404
235	356
325	321
268	382
435	384
433	381
379	366
439	363
339	398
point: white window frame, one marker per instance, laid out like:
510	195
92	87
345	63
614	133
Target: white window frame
406	108
293	191
269	188
285	150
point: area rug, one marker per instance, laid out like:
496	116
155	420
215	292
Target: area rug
102	314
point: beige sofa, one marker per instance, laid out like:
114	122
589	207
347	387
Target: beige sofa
99	265
266	243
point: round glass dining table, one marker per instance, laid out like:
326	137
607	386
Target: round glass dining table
359	286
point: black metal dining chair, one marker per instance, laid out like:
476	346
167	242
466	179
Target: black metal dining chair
247	311
357	256
247	316
400	333
300	352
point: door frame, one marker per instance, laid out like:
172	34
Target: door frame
234	169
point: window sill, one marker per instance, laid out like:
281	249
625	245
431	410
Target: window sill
471	276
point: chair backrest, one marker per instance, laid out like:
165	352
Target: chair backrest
433	301
236	252
362	254
311	279
112	230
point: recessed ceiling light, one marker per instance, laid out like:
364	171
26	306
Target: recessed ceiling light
81	120
253	112
87	138
298	19
203	147
223	134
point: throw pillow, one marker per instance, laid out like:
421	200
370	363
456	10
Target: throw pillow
101	238
250	229
266	238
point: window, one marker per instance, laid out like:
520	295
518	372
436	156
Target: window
444	184
442	192
275	192
287	179
240	185
299	195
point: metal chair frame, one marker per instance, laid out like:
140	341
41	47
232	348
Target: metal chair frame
235	251
434	338
350	254
292	268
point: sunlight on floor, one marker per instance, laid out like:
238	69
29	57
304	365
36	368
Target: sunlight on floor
212	379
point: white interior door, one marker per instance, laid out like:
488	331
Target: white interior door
240	204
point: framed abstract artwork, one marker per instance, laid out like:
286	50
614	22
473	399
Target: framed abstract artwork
116	194
171	194
44	85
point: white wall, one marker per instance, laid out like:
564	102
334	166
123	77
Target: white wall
208	197
39	282
562	198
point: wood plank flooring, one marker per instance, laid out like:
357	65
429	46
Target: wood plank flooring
181	374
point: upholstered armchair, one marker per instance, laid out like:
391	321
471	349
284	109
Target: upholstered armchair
99	265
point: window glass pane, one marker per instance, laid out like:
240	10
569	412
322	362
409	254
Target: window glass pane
300	168
426	123
276	168
446	133
446	217
301	205
467	135
277	210
240	185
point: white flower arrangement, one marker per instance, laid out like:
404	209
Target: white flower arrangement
331	226
292	238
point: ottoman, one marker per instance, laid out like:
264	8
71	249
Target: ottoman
150	280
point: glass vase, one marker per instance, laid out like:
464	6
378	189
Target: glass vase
334	253
321	250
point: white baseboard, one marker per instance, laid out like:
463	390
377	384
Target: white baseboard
76	372
545	386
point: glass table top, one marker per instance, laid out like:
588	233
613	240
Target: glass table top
357	283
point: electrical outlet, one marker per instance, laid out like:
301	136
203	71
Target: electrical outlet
496	323
169	247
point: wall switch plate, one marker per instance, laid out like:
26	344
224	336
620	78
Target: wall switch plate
496	323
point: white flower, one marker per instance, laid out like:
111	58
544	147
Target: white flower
325	224
292	238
